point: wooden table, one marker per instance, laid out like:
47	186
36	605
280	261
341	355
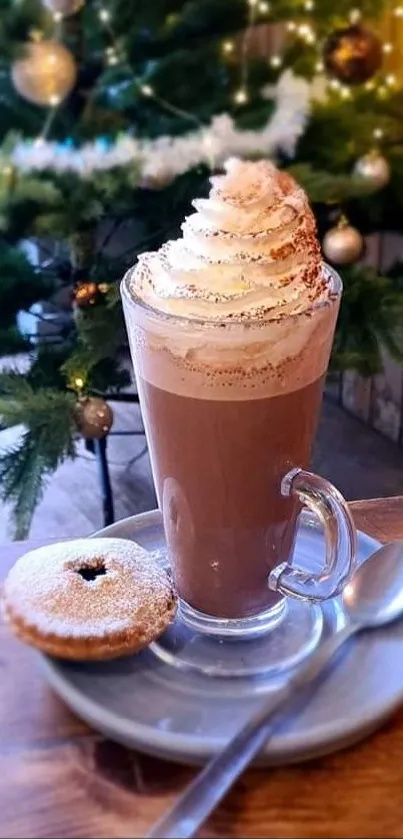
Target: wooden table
58	778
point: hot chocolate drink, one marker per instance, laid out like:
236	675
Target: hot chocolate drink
226	523
230	329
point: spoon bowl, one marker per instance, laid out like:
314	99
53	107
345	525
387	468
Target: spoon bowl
374	595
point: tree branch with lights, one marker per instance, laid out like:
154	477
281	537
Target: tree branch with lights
114	113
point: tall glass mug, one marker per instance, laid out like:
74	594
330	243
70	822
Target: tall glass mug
230	412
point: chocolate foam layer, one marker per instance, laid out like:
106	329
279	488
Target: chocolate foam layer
249	250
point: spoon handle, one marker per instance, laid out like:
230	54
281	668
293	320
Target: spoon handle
208	788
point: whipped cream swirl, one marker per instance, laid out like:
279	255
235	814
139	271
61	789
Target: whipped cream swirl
249	250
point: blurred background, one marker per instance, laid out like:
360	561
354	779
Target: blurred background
113	115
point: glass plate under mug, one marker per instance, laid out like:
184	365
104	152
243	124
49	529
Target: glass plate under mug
296	628
185	716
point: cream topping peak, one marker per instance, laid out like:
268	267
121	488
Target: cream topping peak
249	249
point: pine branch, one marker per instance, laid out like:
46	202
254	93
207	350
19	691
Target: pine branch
59	204
48	413
371	317
17	19
100	333
12	342
21	284
14	393
48	417
22	482
322	186
24	201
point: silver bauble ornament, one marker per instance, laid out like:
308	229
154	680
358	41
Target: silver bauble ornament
374	168
342	244
64	8
46	73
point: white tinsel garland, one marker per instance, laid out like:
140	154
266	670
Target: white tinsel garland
163	159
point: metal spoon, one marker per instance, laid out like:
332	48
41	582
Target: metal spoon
372	598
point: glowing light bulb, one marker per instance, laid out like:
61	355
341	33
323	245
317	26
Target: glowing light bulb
309	5
319	66
387	48
378	133
263	7
228	47
398	11
291	26
241	96
306	33
57	17
54	100
146	90
355	15
36	35
276	61
345	93
390	79
334	84
104	15
78	382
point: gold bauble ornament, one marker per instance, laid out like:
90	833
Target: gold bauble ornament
46	74
64	8
85	294
94	417
342	244
352	55
374	168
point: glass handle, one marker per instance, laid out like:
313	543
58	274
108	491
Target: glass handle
329	506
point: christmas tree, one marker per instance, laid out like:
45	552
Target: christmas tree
113	115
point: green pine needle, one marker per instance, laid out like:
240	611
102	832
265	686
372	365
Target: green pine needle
371	317
323	186
21	284
22	479
48	417
176	46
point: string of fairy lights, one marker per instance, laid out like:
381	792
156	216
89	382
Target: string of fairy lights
241	95
237	50
342	243
114	55
258	11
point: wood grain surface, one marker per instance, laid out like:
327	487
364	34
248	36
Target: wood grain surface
60	779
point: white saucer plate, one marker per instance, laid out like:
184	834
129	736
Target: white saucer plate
185	717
